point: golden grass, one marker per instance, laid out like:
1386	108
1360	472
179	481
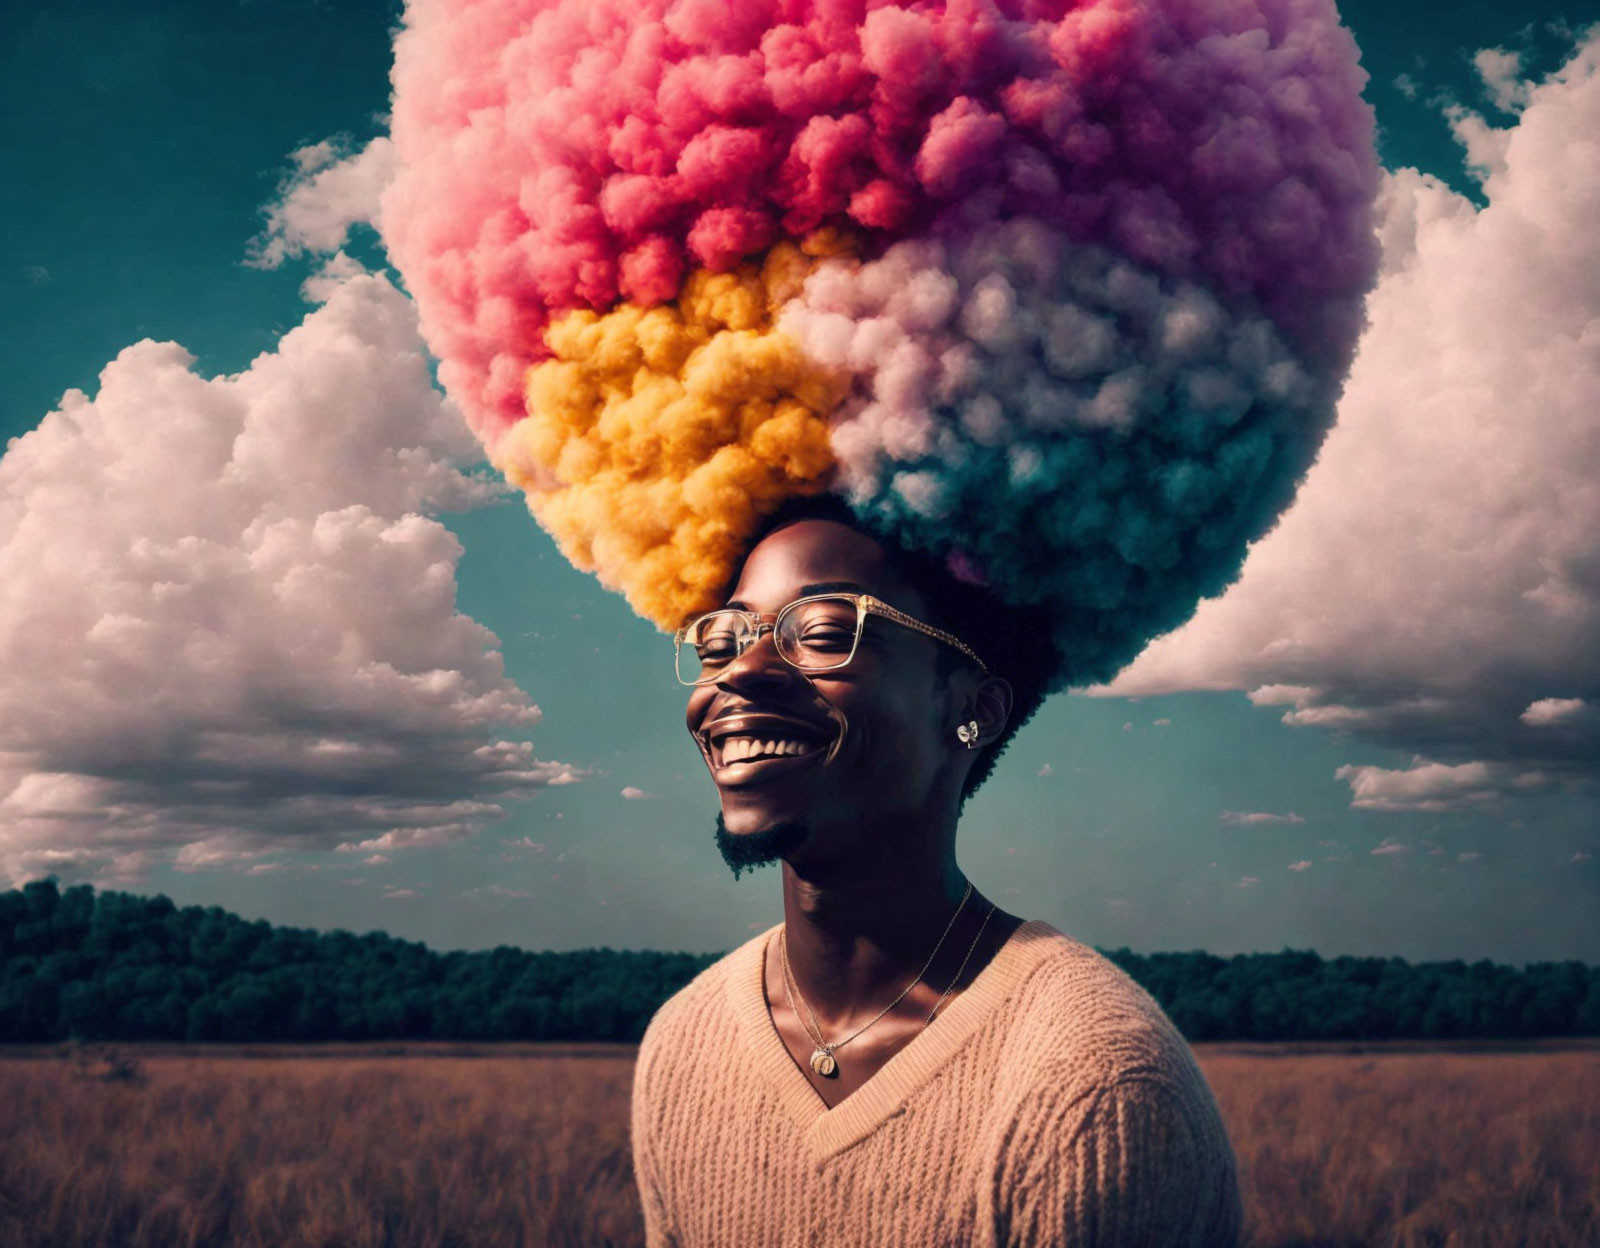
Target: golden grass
343	1149
369	1152
1448	1149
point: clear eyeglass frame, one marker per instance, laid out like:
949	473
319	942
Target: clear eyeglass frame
755	624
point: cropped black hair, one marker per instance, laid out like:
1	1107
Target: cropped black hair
1013	642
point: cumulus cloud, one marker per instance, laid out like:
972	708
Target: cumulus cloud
565	161
1422	786
1501	72
634	793
1553	711
330	190
333	273
1090	277
228	622
1251	818
1303	865
1388	849
1084	433
1438	579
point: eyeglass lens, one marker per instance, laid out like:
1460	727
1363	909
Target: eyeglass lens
812	635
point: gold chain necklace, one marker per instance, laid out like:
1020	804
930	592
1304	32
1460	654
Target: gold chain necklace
822	1060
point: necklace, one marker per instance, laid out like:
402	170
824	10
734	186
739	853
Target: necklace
963	969
822	1060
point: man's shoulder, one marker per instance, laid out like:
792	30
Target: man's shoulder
701	1002
1079	1014
1074	983
1098	1065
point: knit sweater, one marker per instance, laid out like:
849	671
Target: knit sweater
1050	1103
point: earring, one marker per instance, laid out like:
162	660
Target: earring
968	732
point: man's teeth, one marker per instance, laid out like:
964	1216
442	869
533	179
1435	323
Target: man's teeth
740	749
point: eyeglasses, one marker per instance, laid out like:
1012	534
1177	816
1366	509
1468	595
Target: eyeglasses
815	634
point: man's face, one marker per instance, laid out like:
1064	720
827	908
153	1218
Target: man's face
858	747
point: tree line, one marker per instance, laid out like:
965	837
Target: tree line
87	965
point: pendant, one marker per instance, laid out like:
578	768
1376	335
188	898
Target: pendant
822	1062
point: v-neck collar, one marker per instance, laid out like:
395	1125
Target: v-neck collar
831	1131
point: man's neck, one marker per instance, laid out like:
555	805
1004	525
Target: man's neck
856	938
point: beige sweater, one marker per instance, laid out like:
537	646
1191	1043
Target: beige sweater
1050	1103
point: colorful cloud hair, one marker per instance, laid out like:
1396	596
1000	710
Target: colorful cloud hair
1062	292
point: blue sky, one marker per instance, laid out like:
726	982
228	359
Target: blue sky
154	139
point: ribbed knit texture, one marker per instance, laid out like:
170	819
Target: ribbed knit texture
1050	1103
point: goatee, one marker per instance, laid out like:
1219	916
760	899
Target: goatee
758	849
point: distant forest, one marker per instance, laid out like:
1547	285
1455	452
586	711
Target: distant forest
77	964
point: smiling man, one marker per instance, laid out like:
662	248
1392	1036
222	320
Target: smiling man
1058	295
900	1061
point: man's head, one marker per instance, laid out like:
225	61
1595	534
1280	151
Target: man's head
804	760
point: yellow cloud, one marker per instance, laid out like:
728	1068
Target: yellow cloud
657	438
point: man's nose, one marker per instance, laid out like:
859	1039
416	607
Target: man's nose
759	665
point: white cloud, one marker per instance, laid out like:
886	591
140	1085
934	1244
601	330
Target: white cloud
634	794
1422	786
1388	849
1251	818
1046	770
1486	146
1438	573
1407	86
1501	72
1282	695
1303	865
431	826
1553	711
1470	855
330	190
227	622
1581	856
1249	881
336	270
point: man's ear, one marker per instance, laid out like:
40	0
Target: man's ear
991	707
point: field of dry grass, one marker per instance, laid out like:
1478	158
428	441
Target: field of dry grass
1443	1149
440	1149
327	1152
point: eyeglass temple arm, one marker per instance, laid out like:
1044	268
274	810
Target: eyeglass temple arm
878	607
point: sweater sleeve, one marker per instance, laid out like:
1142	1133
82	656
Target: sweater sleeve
1140	1162
646	1154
